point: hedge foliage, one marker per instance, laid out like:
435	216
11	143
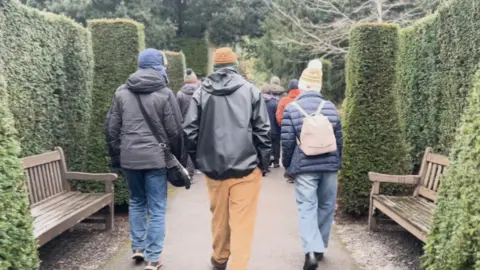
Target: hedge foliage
454	240
327	76
196	54
176	70
18	249
372	134
438	57
113	65
48	67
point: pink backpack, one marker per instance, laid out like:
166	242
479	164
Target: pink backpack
317	136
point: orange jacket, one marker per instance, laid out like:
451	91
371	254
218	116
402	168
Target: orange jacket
292	95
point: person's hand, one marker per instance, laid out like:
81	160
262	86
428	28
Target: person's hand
115	164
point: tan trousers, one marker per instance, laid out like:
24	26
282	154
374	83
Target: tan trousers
233	204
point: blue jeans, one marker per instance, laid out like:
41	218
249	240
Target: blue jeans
148	191
316	196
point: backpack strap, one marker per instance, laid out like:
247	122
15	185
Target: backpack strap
300	108
320	107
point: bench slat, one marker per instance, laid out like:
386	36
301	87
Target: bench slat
43	206
437	178
73	217
36	160
59	207
413	213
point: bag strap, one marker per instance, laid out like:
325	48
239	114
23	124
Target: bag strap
149	121
320	107
300	108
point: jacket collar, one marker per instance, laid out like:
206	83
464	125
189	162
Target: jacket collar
294	93
309	94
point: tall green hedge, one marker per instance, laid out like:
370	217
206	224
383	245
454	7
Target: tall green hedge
17	244
372	134
196	54
454	240
176	69
48	67
437	59
327	76
116	45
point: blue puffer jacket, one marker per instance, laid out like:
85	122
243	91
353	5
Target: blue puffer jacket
294	159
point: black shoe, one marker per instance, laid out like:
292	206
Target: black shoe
319	256
276	166
138	255
311	263
218	266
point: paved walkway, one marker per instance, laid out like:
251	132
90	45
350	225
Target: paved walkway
277	242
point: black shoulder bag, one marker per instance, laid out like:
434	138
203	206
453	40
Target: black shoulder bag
176	175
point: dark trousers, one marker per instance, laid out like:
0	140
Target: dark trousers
190	167
276	148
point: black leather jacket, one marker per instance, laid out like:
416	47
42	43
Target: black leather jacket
227	127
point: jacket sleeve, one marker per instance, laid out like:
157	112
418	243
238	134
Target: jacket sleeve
191	126
113	125
288	138
174	132
279	113
181	104
261	131
339	138
178	119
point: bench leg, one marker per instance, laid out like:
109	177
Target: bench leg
372	220
110	218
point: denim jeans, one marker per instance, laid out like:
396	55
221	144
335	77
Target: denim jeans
148	192
316	196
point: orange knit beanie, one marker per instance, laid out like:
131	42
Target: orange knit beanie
224	56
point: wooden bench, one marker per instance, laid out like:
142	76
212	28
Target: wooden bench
54	204
414	213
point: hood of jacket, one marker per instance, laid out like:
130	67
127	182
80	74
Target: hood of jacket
189	88
269	97
223	82
146	81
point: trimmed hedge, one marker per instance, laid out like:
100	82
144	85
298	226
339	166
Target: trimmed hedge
176	70
113	65
48	67
327	76
18	249
372	134
196	54
438	57
454	239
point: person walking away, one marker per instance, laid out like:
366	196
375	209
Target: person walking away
228	136
293	93
184	96
271	101
315	174
133	147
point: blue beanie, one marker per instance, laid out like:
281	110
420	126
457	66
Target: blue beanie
293	84
153	58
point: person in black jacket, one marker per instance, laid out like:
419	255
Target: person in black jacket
271	100
184	96
133	147
228	136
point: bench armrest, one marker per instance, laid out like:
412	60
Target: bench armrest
398	179
102	177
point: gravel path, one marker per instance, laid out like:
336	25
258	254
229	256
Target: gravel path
390	248
85	247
